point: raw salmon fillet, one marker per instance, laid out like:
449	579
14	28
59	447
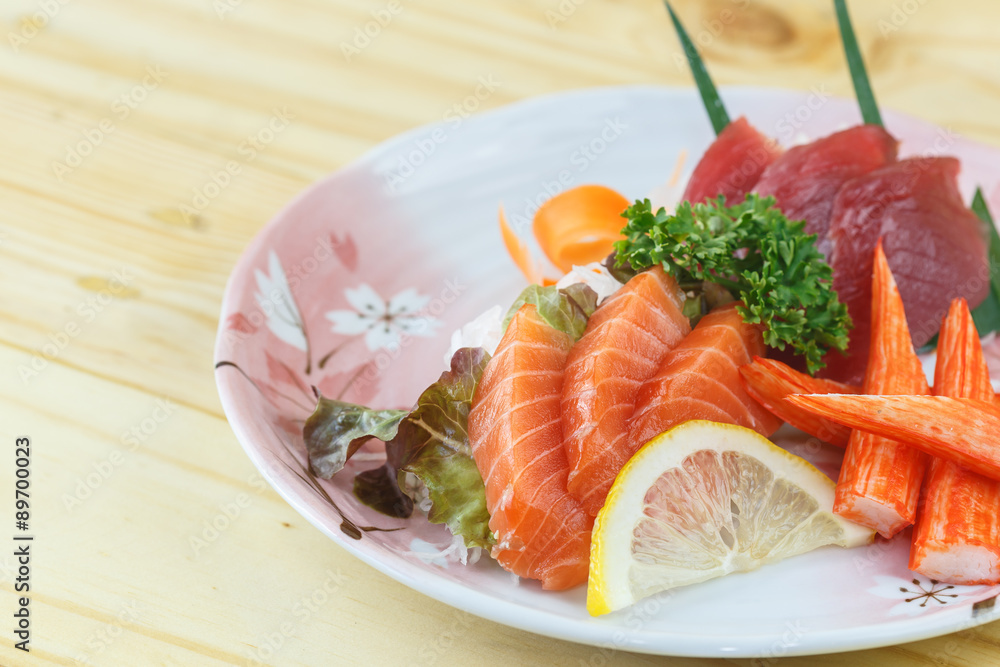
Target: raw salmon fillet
732	164
700	379
805	179
542	531
934	243
623	345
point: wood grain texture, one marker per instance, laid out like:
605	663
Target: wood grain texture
113	287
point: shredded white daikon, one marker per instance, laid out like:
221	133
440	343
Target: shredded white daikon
485	331
595	276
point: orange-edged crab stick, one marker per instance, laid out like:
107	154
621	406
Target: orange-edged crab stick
768	381
880	479
957	534
963	430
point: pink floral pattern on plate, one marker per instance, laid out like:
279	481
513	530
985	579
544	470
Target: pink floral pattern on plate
354	288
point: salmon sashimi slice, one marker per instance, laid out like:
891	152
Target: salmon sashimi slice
805	179
731	165
542	531
934	243
625	340
957	535
880	478
769	381
700	379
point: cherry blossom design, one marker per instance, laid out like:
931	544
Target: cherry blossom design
275	300
346	250
919	594
383	321
239	322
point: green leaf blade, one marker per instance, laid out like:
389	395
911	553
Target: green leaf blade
859	75
716	110
987	314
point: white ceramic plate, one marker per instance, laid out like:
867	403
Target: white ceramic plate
410	229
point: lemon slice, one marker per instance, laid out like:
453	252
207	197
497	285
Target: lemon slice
703	500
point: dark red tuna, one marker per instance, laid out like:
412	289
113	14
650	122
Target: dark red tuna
805	180
732	164
935	246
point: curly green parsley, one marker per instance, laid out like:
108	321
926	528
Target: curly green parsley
752	250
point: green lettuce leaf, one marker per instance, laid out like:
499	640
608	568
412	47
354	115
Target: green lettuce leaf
583	296
336	430
378	489
564	309
433	444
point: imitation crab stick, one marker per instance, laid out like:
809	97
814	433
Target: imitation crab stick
880	478
768	381
957	534
963	430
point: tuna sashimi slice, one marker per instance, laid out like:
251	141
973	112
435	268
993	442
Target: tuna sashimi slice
542	531
805	179
623	345
934	244
700	379
732	164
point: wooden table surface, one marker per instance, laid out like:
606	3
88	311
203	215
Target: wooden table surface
116	114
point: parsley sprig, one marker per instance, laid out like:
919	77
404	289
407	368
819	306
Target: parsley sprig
752	250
